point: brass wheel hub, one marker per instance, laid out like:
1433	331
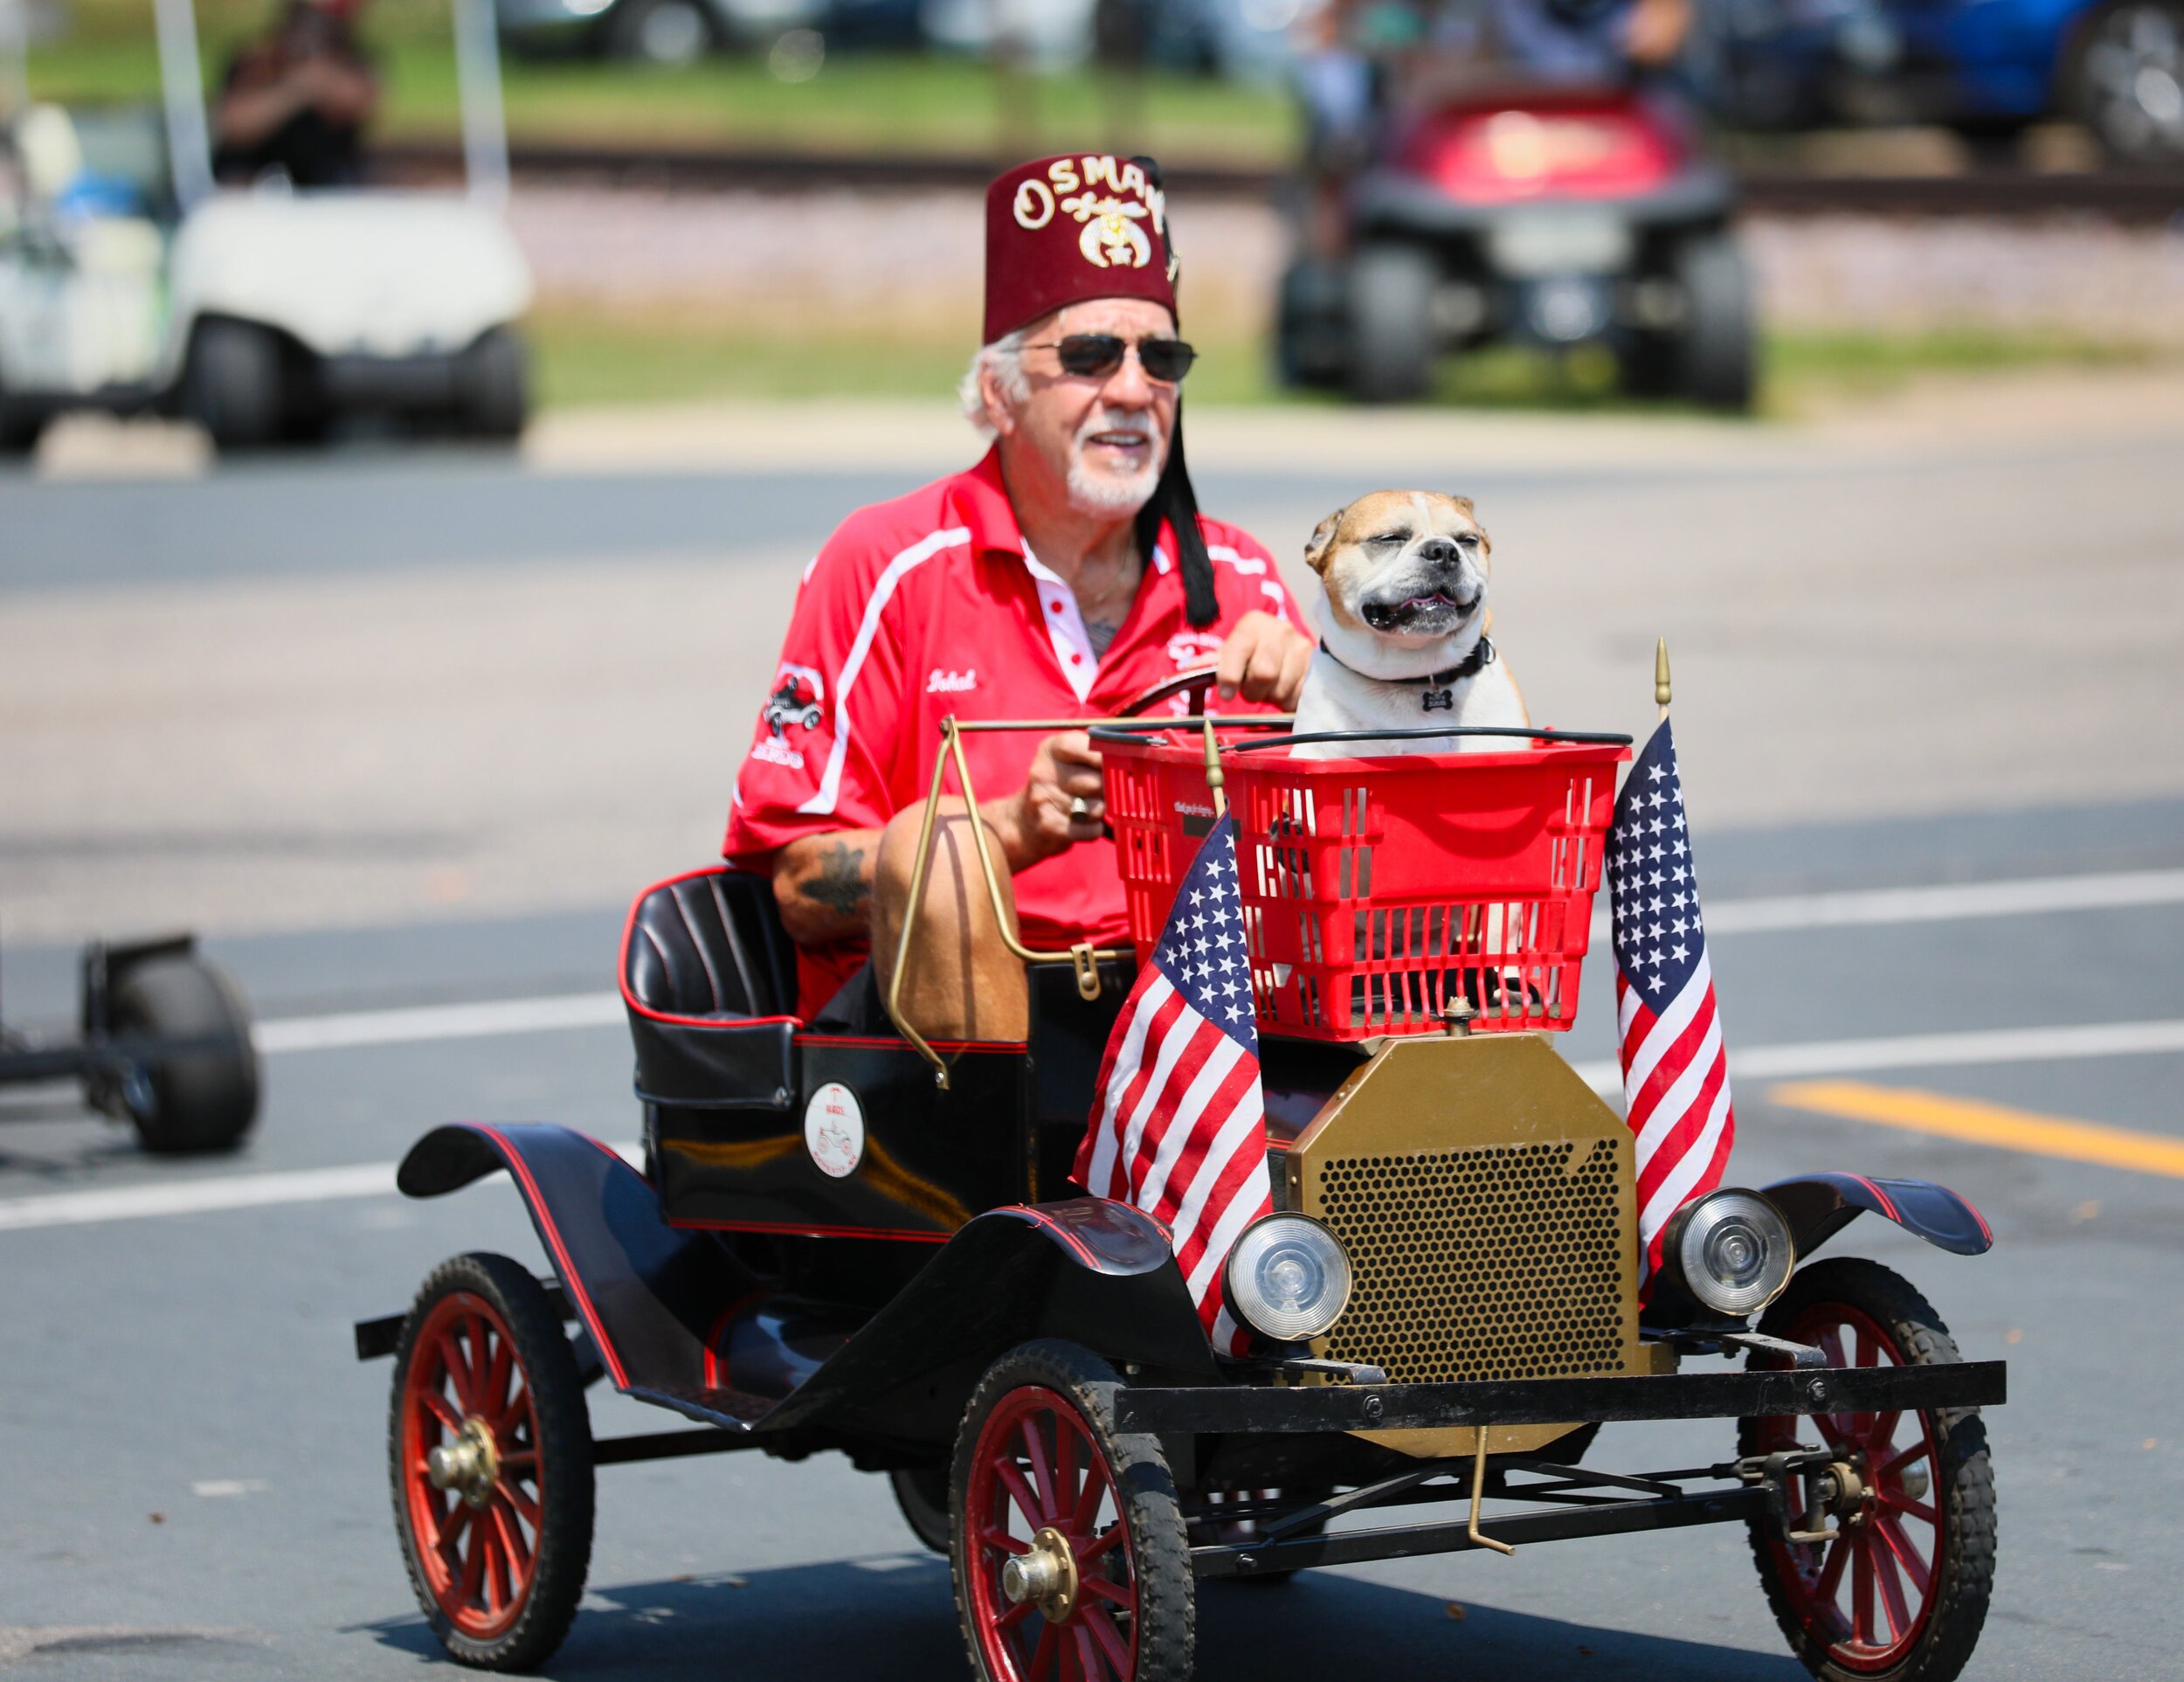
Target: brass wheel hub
470	1464
1843	1492
1045	1574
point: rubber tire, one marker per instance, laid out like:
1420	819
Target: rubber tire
493	387
921	1495
1309	325
2081	101
1167	1597
1391	308
565	1431
1965	1475
234	386
202	1101
627	29
1648	364
1716	351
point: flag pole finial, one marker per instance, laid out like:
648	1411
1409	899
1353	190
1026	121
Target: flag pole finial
1660	675
1213	775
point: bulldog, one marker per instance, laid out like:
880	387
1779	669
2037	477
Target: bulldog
1404	642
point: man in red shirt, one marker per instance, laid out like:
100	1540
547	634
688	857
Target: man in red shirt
1065	573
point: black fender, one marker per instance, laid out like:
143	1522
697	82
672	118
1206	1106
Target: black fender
1818	1206
1096	1272
649	1295
656	1299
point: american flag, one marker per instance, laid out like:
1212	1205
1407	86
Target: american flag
1178	1118
1676	1070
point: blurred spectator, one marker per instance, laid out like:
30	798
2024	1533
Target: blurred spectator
1360	59
295	102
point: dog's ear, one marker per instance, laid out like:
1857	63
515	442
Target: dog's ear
1323	537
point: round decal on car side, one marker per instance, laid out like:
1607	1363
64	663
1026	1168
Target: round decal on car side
834	1129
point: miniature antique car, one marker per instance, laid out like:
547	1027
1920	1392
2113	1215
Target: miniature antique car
827	1247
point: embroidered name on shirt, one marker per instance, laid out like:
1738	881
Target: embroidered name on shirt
952	682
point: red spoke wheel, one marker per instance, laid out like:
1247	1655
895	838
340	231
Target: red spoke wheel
491	1455
1900	1591
1068	1539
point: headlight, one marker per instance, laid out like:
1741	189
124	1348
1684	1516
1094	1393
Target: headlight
1288	1278
1731	1251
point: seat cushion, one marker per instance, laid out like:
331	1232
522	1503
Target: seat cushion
709	945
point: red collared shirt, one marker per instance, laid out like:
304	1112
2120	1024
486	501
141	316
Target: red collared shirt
931	605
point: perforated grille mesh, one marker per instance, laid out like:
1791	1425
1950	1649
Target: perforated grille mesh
1505	1261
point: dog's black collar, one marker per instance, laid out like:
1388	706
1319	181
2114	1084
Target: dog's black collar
1440	691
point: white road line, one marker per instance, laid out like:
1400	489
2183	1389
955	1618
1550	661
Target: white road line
415	1024
242	1191
1982	1046
213	1194
2030	897
1754	1062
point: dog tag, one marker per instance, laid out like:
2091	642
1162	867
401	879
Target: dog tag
1440	701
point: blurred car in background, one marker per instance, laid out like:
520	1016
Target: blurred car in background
269	314
682	32
1986	68
1544	216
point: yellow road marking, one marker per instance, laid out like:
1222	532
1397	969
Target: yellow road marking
1987	1123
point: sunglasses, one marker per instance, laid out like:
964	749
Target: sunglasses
1097	355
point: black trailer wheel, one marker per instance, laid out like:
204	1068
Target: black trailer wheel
490	1452
1715	355
1392	340
1901	1592
234	386
1308	334
2123	78
923	1496
494	394
1067	1545
201	1100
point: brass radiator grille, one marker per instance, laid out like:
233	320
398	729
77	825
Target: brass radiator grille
1494	1262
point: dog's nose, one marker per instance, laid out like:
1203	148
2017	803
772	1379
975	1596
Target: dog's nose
1439	552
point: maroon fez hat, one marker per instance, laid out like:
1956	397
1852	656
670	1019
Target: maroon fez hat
1061	230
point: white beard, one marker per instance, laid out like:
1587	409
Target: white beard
1102	495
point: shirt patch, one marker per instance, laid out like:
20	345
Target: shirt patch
777	754
1189	648
942	682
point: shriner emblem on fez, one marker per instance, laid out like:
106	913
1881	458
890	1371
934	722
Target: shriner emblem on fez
1109	235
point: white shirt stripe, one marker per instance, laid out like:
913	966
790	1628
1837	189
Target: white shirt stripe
1064	620
916	555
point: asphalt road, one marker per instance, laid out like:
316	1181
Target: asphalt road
193	1465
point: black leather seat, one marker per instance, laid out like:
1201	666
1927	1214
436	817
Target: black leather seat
710	945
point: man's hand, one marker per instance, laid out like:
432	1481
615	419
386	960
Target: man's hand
1264	658
1036	821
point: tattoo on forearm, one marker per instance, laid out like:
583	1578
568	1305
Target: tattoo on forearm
840	884
1101	632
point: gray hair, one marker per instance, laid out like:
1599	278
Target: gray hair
1005	357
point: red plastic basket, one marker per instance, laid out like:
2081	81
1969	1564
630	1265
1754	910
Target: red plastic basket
1379	891
1160	809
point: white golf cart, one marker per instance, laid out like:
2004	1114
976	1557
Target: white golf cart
129	284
